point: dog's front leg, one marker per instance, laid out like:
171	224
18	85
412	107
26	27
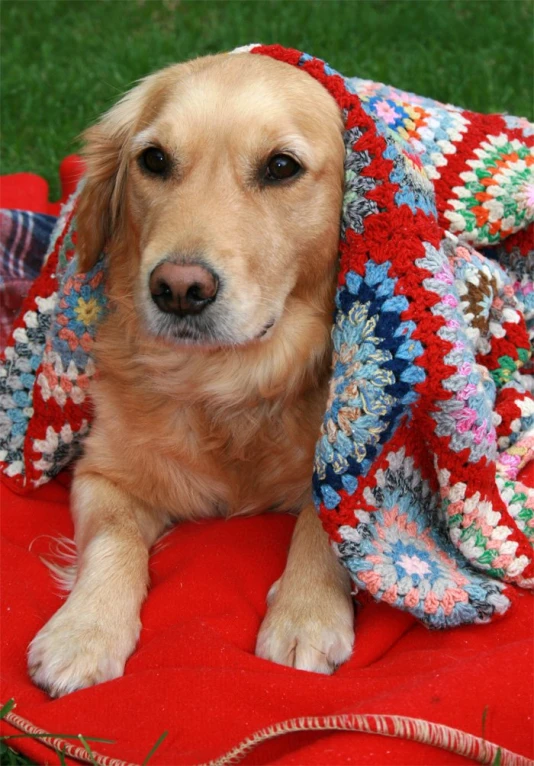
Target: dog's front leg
92	635
310	619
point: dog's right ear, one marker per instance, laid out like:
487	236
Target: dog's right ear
99	212
101	199
94	215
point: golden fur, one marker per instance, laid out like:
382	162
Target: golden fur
225	424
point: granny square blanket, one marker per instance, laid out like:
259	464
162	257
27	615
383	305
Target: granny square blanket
430	416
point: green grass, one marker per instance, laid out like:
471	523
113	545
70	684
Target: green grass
65	61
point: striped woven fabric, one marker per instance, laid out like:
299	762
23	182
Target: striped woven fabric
24	239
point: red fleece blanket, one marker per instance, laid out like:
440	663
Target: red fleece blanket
195	675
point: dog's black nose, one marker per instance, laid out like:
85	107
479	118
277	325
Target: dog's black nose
182	289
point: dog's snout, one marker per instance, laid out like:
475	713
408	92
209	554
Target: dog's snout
182	289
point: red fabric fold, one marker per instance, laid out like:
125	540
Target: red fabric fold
28	191
195	675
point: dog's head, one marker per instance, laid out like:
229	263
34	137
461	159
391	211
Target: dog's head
215	187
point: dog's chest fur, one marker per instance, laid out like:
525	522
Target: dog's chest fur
192	460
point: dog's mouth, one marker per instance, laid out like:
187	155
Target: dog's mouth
205	331
265	331
188	335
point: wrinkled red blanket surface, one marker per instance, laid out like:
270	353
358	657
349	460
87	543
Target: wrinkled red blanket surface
195	675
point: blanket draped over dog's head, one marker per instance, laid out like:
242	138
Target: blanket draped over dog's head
430	415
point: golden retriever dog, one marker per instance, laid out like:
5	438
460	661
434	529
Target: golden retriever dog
215	188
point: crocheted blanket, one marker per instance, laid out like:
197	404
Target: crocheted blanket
430	418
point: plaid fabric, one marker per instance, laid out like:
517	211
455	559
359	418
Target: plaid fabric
24	239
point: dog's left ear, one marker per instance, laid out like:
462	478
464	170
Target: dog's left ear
99	210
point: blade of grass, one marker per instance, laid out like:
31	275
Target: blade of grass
86	746
498	758
155	747
64	736
484	717
5	709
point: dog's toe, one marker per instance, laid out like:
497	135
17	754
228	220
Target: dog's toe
306	647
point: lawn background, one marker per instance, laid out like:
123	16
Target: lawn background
66	61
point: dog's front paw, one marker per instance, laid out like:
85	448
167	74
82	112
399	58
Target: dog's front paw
308	628
74	651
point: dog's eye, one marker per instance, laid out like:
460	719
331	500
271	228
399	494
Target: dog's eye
154	160
281	167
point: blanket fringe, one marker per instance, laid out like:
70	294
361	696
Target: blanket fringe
414	729
77	752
